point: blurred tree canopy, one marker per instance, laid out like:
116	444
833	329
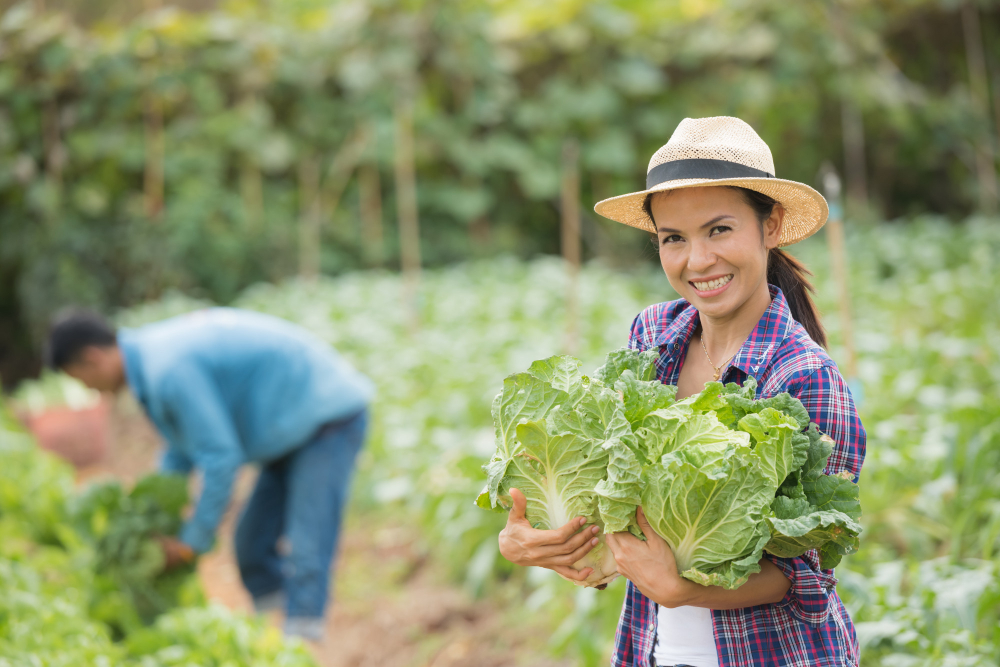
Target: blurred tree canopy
142	151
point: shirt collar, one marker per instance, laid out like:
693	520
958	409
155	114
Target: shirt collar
756	352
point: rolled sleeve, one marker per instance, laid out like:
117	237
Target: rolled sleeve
826	398
808	598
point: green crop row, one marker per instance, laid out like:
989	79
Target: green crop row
81	581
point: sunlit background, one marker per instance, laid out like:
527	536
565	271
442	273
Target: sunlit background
414	181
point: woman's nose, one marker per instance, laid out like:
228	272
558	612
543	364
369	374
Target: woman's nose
700	257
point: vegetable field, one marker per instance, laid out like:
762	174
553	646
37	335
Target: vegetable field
924	587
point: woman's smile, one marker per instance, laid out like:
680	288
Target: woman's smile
711	286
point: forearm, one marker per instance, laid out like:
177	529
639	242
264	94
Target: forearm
768	586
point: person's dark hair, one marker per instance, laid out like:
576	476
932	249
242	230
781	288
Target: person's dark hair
783	270
72	331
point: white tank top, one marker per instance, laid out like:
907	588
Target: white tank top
684	636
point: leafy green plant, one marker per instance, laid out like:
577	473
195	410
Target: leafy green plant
721	476
131	586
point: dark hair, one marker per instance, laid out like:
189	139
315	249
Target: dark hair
783	270
72	331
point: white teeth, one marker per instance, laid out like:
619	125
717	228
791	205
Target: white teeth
712	284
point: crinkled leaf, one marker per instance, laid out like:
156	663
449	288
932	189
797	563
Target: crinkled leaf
775	444
833	493
709	515
557	474
798	527
620	494
640	397
642	365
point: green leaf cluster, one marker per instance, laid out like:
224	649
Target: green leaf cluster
82	581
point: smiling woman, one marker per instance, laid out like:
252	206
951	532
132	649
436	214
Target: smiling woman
720	217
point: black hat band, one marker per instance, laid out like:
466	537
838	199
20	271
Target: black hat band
676	170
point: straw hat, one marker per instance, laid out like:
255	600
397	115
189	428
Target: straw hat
720	151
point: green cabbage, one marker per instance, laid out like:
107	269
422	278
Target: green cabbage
721	475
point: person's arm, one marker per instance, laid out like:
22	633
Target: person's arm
826	398
174	462
650	565
204	424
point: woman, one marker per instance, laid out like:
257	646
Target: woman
720	217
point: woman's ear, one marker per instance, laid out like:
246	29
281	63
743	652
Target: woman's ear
773	225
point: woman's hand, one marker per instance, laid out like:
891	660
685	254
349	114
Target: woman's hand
650	565
553	549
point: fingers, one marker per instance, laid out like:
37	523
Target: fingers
570	573
519	504
611	540
647	530
563	533
581	551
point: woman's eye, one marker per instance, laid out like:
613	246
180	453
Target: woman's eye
673	238
718	229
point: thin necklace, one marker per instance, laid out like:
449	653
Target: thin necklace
717	369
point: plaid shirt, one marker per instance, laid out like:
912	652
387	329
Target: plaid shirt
810	626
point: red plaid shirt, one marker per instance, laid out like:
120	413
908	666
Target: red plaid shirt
810	627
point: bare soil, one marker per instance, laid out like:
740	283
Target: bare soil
393	604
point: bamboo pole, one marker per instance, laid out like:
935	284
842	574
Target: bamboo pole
979	88
570	226
370	203
853	131
153	177
406	204
320	196
55	152
309	217
838	262
344	163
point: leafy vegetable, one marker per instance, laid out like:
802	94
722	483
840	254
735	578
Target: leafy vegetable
721	475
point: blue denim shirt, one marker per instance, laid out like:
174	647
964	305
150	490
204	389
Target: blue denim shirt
226	387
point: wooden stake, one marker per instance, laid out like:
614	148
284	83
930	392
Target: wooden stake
55	153
370	203
309	218
155	149
838	262
571	239
343	165
406	204
979	88
853	130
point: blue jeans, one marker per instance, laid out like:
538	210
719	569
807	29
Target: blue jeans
300	497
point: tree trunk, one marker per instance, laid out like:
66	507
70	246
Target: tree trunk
571	239
979	88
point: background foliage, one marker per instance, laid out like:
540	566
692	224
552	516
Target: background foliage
147	150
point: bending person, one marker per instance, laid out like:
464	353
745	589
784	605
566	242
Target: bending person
226	387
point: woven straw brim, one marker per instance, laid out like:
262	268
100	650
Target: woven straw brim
805	209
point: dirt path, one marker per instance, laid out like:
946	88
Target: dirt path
393	606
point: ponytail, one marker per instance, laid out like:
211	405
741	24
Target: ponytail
787	273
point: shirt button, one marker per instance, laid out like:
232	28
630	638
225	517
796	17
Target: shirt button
677	346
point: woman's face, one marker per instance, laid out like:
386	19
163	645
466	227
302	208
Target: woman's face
711	247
